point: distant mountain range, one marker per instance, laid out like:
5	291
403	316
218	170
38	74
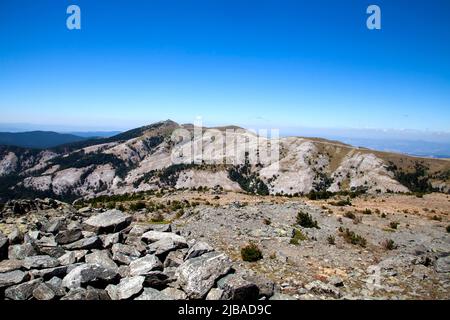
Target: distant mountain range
48	139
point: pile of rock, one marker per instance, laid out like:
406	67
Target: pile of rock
106	256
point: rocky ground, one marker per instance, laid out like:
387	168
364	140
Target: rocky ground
375	247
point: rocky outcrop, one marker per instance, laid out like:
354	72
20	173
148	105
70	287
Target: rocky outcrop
88	255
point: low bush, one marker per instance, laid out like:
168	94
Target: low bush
306	221
251	253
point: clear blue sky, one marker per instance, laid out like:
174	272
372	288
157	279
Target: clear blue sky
252	63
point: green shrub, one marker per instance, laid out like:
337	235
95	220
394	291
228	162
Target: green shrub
367	211
297	236
353	238
448	228
137	206
251	253
331	240
349	215
393	224
306	221
341	203
389	244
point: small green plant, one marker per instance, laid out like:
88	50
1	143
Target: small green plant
389	244
267	221
353	238
297	236
349	215
341	203
251	253
137	206
367	211
448	228
306	221
331	240
436	218
383	215
393	224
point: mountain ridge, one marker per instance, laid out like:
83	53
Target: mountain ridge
142	159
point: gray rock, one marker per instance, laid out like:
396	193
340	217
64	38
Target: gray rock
103	258
442	264
109	240
336	281
124	254
54	225
162	247
156	279
108	222
49	272
236	288
13	277
43	292
215	294
55	284
15	236
47	241
68	236
4	244
144	265
40	262
199	248
85	243
198	275
86	294
10	265
174	258
21	251
318	287
54	252
153	236
127	288
152	294
87	273
174	294
22	291
67	258
266	286
166	227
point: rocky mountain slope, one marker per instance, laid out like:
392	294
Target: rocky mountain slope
142	160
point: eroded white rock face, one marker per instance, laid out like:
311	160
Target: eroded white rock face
41	183
67	179
364	170
8	164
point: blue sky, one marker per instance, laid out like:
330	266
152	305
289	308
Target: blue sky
252	63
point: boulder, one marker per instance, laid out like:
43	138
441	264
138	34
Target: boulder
127	288
174	294
4	244
236	288
49	272
144	265
54	252
21	251
215	294
67	258
88	273
162	247
442	264
22	291
85	243
108	222
46	241
110	239
103	258
266	286
199	248
11	278
40	262
153	236
156	279
68	236
152	294
124	254
198	275
86	294
10	265
55	284
15	236
175	258
43	292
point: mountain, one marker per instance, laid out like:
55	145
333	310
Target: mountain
95	134
147	158
37	139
